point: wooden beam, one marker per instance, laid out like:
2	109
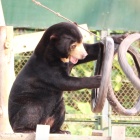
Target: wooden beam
2	20
73	137
2	41
28	42
31	136
6	75
17	136
97	133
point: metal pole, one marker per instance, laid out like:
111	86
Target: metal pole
105	119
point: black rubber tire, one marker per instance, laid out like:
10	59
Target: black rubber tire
136	58
100	95
113	101
111	97
126	43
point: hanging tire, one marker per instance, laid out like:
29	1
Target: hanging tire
124	47
99	95
115	104
126	43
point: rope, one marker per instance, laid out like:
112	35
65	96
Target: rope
59	15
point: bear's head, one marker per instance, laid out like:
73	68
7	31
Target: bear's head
62	41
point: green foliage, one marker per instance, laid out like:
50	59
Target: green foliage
83	70
118	76
84	107
132	131
81	129
72	110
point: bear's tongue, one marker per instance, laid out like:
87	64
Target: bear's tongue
73	59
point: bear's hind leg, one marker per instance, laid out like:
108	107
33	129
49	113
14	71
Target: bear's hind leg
26	119
58	117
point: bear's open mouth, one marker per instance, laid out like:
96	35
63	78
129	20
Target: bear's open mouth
73	59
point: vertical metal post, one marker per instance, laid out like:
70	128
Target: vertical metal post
110	121
105	119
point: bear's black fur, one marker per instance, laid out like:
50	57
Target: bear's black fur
36	96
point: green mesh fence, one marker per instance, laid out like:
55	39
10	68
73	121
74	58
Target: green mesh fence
79	118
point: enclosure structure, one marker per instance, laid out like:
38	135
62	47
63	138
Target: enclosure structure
99	16
117	133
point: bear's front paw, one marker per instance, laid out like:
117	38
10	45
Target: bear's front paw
97	81
119	38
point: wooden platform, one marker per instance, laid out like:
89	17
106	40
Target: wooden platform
118	133
58	137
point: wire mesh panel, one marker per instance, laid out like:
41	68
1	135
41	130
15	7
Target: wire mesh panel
79	127
127	95
79	118
124	90
20	60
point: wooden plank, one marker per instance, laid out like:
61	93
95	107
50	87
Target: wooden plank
28	42
118	133
6	75
31	136
74	137
2	41
17	136
97	133
42	132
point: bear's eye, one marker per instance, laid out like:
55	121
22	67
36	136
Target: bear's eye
73	46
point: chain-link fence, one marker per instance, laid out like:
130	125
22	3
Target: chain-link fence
127	95
79	118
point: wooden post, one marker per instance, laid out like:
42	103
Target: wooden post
118	133
6	75
97	133
42	132
2	21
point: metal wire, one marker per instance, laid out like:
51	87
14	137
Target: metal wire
59	15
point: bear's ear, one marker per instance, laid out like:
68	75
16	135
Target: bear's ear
53	38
